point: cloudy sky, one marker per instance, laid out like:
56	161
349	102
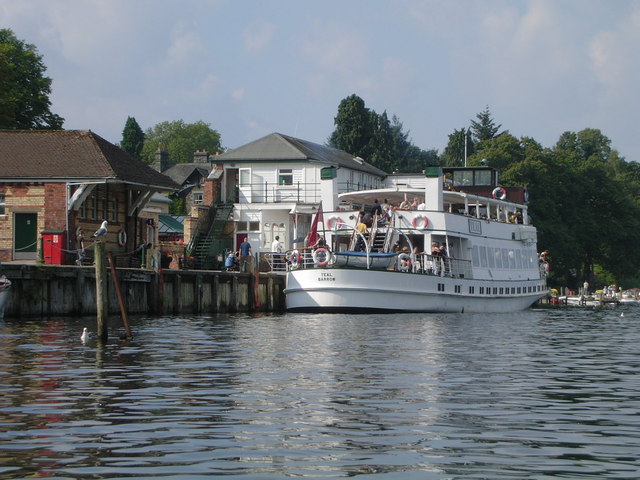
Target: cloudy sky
252	67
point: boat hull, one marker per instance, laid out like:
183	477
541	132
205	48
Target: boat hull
389	291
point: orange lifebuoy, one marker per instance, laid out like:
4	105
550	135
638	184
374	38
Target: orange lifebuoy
420	222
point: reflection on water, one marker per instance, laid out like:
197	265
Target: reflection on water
539	394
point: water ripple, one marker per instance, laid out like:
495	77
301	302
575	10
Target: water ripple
541	394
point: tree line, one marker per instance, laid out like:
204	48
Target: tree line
584	197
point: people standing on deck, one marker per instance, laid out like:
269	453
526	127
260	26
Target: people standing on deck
245	256
377	208
361	229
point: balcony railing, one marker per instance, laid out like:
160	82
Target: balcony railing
297	192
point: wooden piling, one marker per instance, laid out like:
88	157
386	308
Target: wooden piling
102	297
116	284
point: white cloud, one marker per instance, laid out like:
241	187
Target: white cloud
238	94
258	37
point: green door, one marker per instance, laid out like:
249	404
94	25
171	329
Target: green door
26	236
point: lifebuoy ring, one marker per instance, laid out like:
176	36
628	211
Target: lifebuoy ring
122	237
321	257
334	222
294	259
402	257
499	193
420	221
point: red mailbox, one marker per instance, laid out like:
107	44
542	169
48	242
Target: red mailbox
54	244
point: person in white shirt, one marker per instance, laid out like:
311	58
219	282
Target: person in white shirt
276	250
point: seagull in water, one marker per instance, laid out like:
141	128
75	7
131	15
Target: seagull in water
85	335
102	231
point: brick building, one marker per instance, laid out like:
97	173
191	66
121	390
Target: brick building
68	182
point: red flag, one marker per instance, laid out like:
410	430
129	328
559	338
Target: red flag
313	236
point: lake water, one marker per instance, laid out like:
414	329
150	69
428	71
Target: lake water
540	394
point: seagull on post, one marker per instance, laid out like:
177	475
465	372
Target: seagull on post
102	231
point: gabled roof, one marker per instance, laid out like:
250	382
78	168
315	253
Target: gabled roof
72	155
278	147
181	172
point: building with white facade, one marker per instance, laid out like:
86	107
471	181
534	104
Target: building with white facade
274	185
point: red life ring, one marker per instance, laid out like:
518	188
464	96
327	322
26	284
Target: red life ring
499	193
294	259
321	257
420	222
122	237
334	222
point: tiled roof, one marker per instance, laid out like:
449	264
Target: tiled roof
182	172
278	147
71	155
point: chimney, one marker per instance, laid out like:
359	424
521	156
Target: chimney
200	156
161	162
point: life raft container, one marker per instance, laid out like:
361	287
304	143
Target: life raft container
499	193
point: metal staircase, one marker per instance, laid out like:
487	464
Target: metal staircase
205	241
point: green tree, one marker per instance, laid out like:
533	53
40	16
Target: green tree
485	128
180	140
354	125
381	143
364	133
460	144
24	90
132	138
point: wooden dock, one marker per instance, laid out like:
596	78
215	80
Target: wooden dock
55	290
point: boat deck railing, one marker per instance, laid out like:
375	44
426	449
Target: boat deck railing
426	264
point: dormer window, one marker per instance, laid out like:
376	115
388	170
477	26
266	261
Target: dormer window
285	176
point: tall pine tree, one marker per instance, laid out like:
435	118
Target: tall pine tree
132	138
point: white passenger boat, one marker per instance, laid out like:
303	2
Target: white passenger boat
5	290
489	263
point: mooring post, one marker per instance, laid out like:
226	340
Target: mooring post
102	298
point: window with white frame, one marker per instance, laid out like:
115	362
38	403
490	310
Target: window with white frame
198	198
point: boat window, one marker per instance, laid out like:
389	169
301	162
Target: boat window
498	258
483	256
481	290
492	257
482	177
501	290
475	256
463	178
